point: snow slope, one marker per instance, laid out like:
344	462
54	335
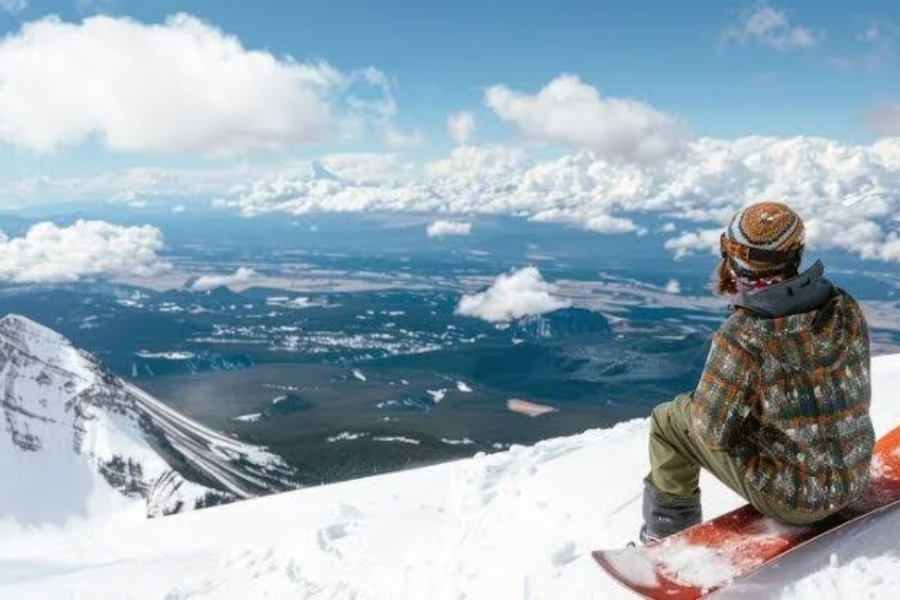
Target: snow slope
78	443
517	524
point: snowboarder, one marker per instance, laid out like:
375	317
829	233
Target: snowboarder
781	412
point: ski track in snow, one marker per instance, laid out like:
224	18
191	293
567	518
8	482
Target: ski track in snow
516	524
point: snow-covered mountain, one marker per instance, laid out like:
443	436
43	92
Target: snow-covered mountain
516	524
78	442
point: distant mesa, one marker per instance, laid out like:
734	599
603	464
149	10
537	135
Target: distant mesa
531	409
564	322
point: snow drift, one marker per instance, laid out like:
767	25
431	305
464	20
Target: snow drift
79	443
516	524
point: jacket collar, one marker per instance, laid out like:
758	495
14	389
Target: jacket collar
806	291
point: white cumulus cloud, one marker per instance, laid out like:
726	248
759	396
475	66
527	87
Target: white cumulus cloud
86	249
241	276
770	27
571	112
461	126
512	296
180	86
445	228
609	224
690	242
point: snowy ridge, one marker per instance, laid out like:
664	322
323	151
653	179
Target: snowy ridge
212	453
516	524
81	443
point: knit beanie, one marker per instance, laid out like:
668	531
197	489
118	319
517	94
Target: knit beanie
762	244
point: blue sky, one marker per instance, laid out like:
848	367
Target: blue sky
592	114
669	54
577	112
440	56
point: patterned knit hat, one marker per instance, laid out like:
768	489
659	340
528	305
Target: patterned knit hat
763	239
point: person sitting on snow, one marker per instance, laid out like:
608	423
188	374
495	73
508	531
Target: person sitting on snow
781	412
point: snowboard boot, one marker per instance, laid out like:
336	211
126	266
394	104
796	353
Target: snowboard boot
665	514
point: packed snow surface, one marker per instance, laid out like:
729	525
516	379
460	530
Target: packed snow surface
516	524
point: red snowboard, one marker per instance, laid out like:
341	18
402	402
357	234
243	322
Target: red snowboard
710	555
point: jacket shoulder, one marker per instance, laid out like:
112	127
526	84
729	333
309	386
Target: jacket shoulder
850	302
741	330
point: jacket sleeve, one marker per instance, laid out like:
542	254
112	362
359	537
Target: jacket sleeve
726	394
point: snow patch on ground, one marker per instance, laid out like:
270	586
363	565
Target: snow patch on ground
462	442
463	387
346	436
437	395
397	438
249	418
165	355
359	374
874	577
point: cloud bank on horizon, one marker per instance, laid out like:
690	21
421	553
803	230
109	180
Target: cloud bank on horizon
847	193
573	155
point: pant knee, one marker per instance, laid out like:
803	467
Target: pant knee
659	418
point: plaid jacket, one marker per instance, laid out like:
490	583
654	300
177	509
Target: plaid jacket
789	396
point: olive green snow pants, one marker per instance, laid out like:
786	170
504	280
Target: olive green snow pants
677	454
